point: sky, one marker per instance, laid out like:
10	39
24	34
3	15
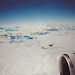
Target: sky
36	11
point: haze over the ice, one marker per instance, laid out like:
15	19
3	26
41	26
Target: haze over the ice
34	50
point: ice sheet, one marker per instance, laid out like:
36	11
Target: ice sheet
34	50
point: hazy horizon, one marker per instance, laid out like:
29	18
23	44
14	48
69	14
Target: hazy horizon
36	11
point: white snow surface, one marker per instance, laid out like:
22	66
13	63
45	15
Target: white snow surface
34	50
